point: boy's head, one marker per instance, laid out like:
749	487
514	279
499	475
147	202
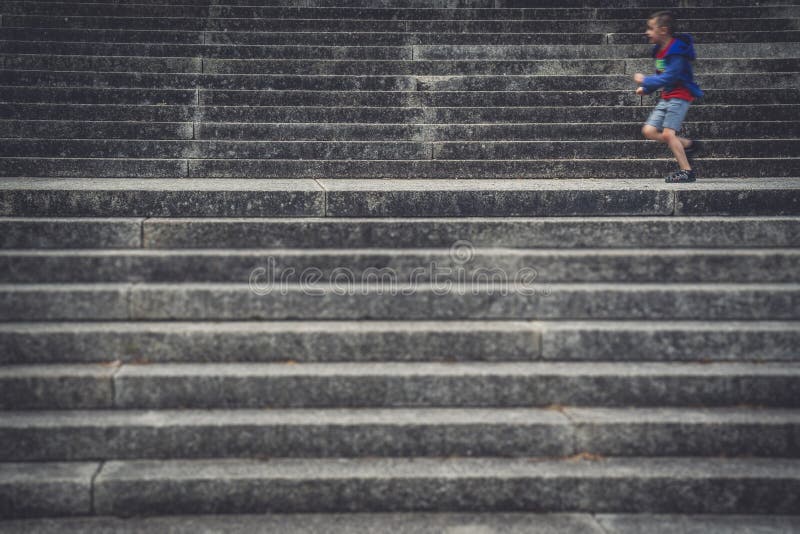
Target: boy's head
660	27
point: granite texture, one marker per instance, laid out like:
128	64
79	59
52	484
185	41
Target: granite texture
160	198
264	341
562	233
42	302
395	384
322	433
686	432
58	387
390	265
67	233
45	489
698	524
421	432
688	341
660	486
475	299
418	523
337	523
221	51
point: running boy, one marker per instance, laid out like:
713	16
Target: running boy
673	53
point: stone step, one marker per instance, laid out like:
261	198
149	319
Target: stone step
69	9
418	523
375	341
91	99
329	38
113	36
397	384
331	117
453	169
628	25
715	37
120	197
401	150
240	81
501	115
405	98
420	52
388	169
695	524
417	67
101	168
585	232
283	52
400	266
539	83
606	485
88	113
443	4
362	67
88	98
113	63
527	52
410	83
501	13
376	39
644	485
302	150
667	341
707	232
524	150
345	131
70	233
383	13
439	432
66	129
304	341
185	130
522	297
62	386
46	489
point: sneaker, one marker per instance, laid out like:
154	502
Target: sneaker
681	176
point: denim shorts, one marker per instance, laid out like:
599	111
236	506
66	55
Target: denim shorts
669	114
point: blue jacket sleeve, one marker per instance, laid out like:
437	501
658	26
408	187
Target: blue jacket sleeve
672	71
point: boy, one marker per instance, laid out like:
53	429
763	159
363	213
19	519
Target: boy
673	53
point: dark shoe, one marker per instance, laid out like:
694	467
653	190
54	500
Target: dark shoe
681	177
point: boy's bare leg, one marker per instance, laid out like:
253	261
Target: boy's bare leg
675	143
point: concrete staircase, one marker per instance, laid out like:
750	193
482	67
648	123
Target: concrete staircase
404	268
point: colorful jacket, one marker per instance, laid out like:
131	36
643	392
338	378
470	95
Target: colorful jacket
677	68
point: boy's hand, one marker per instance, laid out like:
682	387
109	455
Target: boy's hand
638	77
640	90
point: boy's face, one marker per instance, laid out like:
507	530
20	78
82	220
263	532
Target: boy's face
656	34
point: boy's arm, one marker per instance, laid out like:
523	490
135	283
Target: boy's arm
672	70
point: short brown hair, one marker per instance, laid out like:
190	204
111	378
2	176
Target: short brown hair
665	19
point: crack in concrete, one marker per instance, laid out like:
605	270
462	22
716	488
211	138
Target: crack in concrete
324	197
141	232
92	486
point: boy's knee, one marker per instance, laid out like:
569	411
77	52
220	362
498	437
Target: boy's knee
649	131
668	134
